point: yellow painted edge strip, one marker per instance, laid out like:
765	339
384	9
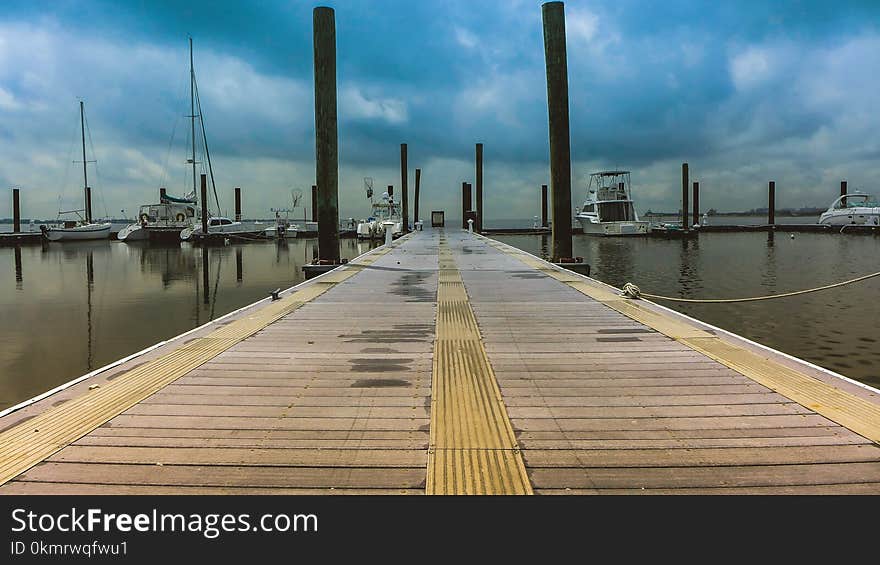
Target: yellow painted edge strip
844	408
35	439
472	447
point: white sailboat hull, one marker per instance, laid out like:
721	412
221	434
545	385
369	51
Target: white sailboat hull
78	233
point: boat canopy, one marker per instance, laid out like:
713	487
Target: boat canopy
175	200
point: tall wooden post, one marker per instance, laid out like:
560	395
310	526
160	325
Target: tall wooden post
685	225
390	190
237	204
556	62
771	205
843	188
314	203
416	203
204	194
89	204
467	202
162	193
696	202
544	206
464	204
326	141
16	211
479	195
404	191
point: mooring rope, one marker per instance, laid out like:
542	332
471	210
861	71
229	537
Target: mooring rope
632	291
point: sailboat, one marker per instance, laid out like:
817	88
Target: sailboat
82	228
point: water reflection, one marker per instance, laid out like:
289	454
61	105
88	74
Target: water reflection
87	304
19	279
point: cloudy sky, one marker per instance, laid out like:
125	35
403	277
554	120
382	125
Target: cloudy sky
744	91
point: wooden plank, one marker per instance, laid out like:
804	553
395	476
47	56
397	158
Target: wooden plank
49	488
243	457
706	457
706	477
220	476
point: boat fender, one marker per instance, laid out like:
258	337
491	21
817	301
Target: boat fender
180	216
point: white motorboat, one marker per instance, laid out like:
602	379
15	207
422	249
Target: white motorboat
609	209
83	228
856	208
220	225
373	227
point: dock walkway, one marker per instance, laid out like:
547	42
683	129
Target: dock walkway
450	363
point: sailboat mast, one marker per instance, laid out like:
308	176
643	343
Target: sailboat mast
192	115
82	124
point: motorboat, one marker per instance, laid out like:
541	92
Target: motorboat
385	210
855	208
223	226
609	209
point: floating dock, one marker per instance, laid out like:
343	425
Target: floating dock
449	363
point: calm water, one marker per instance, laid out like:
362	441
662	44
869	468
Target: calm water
836	329
68	308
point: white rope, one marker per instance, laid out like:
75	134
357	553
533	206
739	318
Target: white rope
632	291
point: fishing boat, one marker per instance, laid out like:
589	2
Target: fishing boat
386	209
856	208
82	228
609	209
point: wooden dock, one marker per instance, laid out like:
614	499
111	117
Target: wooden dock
449	363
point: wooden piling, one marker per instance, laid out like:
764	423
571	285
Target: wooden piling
326	140
416	202
88	210
479	194
16	211
684	197
237	204
314	203
162	194
404	196
544	206
466	203
771	205
843	188
204	200
560	144
696	202
390	190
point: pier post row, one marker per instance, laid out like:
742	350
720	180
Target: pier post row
555	58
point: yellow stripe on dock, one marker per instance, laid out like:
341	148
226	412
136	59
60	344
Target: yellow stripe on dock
32	441
844	408
473	449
